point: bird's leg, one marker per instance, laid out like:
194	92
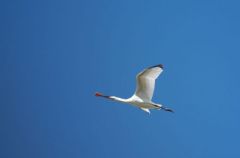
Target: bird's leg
167	109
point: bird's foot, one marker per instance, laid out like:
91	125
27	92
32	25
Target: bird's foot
167	109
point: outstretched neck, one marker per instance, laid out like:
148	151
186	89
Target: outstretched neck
118	99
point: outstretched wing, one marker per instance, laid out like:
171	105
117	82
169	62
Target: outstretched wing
146	82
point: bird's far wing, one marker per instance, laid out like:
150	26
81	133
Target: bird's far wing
146	110
146	82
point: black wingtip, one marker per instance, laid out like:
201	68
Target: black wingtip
159	65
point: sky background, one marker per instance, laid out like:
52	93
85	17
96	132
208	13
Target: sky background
55	54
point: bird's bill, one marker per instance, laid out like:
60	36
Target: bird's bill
97	94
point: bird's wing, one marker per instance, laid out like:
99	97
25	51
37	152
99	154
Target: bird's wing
146	110
146	82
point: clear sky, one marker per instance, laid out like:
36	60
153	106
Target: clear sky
55	54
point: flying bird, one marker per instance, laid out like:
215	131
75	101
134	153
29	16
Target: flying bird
142	98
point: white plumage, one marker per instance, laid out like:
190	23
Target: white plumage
142	97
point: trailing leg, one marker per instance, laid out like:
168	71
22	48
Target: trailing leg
167	109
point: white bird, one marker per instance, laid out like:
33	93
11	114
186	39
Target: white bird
142	98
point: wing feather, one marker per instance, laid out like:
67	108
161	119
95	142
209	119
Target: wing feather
146	82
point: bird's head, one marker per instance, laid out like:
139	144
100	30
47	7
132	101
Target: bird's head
97	94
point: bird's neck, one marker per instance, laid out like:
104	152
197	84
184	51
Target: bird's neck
118	99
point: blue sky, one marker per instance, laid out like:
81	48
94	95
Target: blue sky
56	54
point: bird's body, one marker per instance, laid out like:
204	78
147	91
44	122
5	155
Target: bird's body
139	102
144	91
